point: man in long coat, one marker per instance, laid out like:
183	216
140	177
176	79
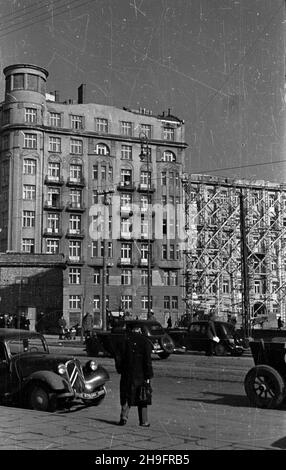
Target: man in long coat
211	332
133	361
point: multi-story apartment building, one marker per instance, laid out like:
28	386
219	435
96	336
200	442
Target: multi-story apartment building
222	213
76	179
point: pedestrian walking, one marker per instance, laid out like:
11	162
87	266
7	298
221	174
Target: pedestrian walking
62	325
279	323
169	322
87	325
134	363
211	334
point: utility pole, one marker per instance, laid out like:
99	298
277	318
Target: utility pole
106	202
145	154
244	270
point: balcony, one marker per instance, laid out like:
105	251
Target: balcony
79	182
53	205
54	180
125	186
52	232
78	260
125	262
75	233
75	206
126	211
143	187
126	236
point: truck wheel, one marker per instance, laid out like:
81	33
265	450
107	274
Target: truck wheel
38	398
264	387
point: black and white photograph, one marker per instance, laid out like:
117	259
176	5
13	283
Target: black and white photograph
142	230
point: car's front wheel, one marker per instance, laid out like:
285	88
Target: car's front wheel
38	398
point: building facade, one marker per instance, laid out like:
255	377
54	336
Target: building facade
100	185
236	246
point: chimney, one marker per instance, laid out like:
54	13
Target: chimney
57	96
81	93
169	109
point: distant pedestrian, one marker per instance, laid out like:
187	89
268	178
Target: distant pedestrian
211	333
87	325
279	323
62	325
134	363
169	322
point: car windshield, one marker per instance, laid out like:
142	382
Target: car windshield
23	345
155	329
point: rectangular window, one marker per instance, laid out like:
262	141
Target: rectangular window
76	146
75	224
28	219
126	302
95	172
96	302
172	251
6	117
126	251
29	166
164	251
30	141
52	245
30	115
94	249
55	119
126	177
75	198
173	278
76	122
28	245
147	129
144	277
54	144
175	304
166	302
53	197
103	173
5	142
75	302
75	172
168	133
53	223
18	81
74	250
96	276
101	125
29	192
54	171
74	275
109	250
126	128
144	302
126	277
163	178
126	152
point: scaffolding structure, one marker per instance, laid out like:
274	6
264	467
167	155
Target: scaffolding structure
235	261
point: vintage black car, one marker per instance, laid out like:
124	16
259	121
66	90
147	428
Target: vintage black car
105	342
34	378
194	338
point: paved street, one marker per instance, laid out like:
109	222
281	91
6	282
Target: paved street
198	404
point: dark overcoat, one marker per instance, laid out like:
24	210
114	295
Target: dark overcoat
134	362
211	332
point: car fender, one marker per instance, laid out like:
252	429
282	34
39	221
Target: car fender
54	381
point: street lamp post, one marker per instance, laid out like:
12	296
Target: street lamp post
145	155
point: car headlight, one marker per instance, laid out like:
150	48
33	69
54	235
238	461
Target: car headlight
91	365
231	340
61	369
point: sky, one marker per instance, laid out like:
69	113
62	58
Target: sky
217	64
